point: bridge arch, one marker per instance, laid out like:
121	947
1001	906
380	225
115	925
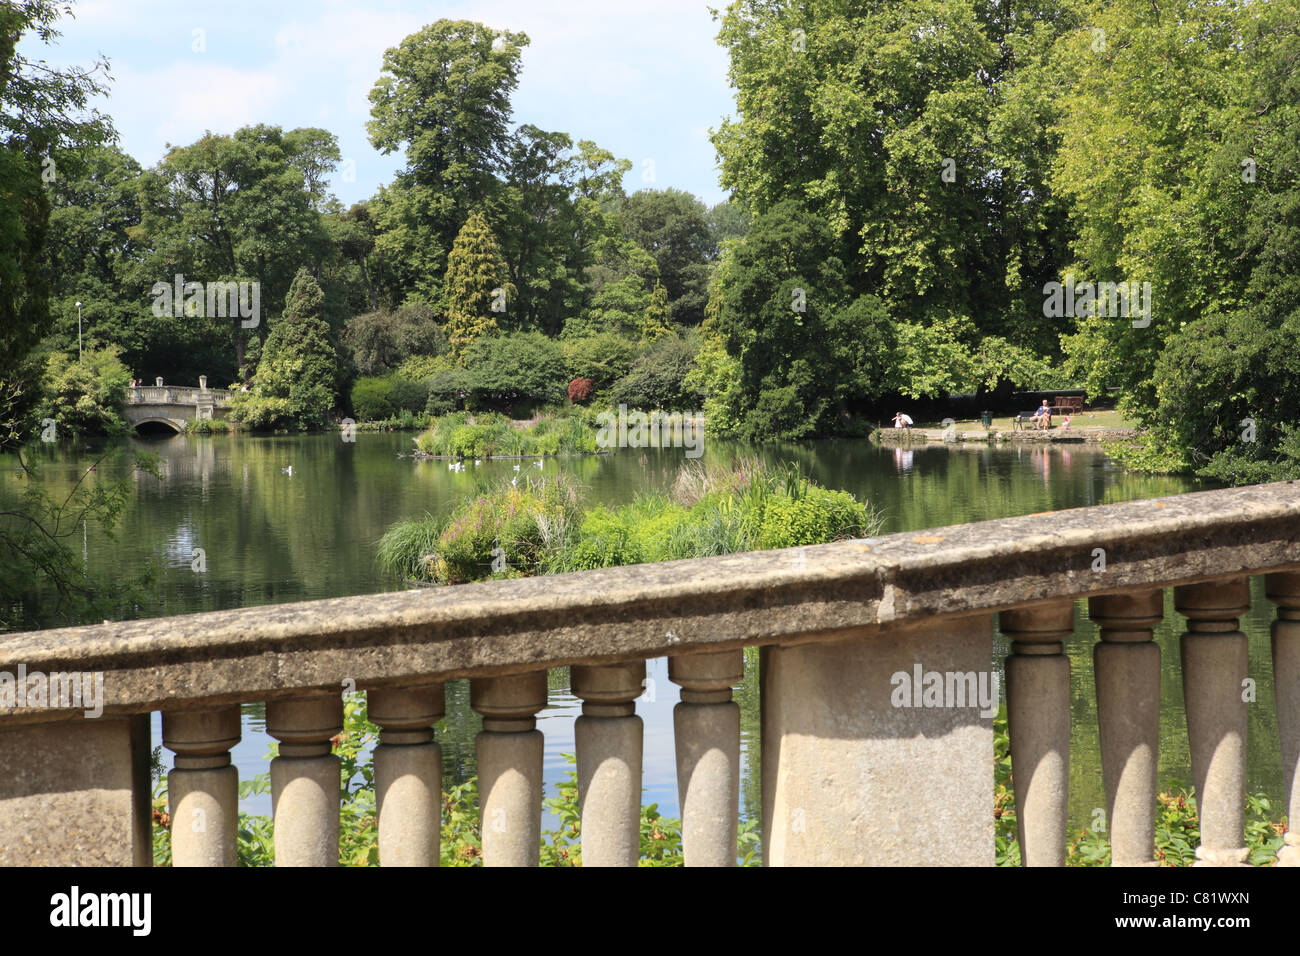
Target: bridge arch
156	425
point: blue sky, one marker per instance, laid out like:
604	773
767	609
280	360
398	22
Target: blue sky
644	80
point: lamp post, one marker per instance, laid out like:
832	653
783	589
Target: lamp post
78	331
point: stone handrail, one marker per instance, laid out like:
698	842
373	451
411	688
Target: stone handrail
837	623
173	395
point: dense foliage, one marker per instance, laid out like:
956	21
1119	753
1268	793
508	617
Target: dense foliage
906	182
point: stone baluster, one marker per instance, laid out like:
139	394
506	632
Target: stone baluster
1126	663
608	738
706	728
1038	723
203	789
1214	670
408	773
305	784
1283	589
510	751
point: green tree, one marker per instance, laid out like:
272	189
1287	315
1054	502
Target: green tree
444	95
672	226
778	297
657	313
85	396
477	285
518	367
293	387
43	111
379	342
235	208
890	123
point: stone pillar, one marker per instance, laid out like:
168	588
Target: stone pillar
408	773
706	729
1038	723
608	739
510	750
76	793
1214	669
1126	663
858	773
203	789
1283	589
159	381
305	785
203	383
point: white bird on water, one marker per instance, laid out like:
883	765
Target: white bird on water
288	471
538	463
514	482
516	467
478	461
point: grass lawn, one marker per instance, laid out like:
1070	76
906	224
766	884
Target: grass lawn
1085	419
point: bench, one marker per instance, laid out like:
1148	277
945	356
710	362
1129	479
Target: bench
1025	418
1067	404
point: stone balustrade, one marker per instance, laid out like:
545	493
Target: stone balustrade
174	395
855	769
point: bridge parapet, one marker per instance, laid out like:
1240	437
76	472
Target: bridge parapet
854	770
174	395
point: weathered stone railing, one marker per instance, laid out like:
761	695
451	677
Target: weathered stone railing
849	775
174	395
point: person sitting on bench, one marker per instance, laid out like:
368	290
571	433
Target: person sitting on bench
1043	416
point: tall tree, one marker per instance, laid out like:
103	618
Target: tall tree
887	120
445	97
672	226
235	208
42	111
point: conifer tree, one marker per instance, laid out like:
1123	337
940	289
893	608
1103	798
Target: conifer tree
477	287
294	384
656	324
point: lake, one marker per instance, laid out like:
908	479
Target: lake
268	536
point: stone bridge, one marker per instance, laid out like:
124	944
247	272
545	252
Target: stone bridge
172	406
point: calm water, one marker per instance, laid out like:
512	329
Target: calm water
269	536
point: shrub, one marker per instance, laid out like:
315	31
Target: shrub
85	397
207	426
540	529
604	358
372	398
658	379
445	391
509	369
407	395
818	515
580	390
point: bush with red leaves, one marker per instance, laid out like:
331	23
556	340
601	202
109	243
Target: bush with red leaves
580	390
